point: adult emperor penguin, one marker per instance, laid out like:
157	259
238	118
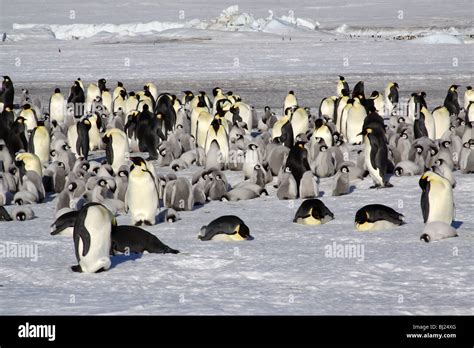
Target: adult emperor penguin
442	121
376	155
341	84
39	142
468	96
321	130
327	108
225	228
77	98
8	91
30	162
437	202
116	148
29	114
92	238
297	161
313	212
377	217
57	106
391	98
299	122
355	120
290	101
217	133
141	198
136	240
82	142
451	102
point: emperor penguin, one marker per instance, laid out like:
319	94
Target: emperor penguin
57	106
7	93
441	167
93	91
341	85
141	198
118	90
252	158
82	141
217	133
218	95
442	121
451	102
355	120
135	240
468	96
327	108
466	157
30	162
290	101
131	103
341	182
203	121
225	228
180	195
76	98
341	104
391	98
31	119
297	161
437	202
299	122
39	142
309	185
321	130
437	230
288	187
376	155
377	217
324	165
313	212
116	148
92	238
376	100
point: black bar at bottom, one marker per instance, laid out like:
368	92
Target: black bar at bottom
430	331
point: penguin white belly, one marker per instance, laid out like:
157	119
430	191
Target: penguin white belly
92	92
441	121
72	138
41	143
355	121
203	123
430	125
30	119
107	100
327	108
142	198
131	105
121	151
441	203
95	140
376	226
299	122
100	241
69	231
119	103
57	108
322	132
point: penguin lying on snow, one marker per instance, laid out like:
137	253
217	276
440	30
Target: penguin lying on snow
377	217
136	240
22	213
437	230
313	212
226	228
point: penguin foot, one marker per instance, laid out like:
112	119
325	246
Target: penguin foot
76	268
387	184
152	158
138	223
148	223
374	187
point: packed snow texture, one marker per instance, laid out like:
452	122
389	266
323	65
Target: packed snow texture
286	269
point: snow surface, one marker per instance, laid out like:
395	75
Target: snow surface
285	269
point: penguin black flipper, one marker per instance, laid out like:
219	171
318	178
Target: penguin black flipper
31	145
64	221
109	153
425	201
80	232
4	216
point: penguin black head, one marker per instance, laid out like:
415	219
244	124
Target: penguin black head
361	217
374	94
146	107
21	216
102	183
253	146
123	173
319	123
6	78
345	92
244	232
230	93
26	107
454	87
57	90
61	165
404	135
469	88
19	201
401	120
425	237
266	108
216	91
345	169
341	78
395	84
138	161
446	144
323	148
291	92
399	171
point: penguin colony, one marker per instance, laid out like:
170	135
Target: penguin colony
46	155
